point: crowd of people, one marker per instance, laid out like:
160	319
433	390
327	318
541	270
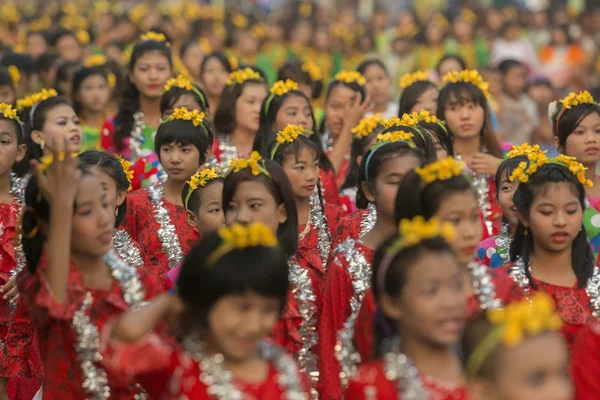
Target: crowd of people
200	202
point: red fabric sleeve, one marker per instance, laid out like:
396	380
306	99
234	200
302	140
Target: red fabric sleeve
330	189
586	362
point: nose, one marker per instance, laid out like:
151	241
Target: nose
560	219
464	113
243	216
312	175
590	137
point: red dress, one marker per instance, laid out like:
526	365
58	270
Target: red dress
329	187
370	383
586	362
505	290
142	224
346	283
56	326
169	373
355	224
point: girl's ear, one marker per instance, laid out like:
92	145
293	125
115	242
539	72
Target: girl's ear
368	191
524	220
121	196
190	218
557	145
37	137
390	307
21	151
282	214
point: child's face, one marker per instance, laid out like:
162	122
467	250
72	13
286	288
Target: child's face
427	101
192	59
247	107
188	101
506	192
465	120
340	98
294	110
214	77
179	161
378	84
7	94
584	142
69	48
94	93
555	217
150	73
93	219
303	172
537	369
115	197
449	65
238	322
515	80
209	216
10	151
461	210
61	124
36	46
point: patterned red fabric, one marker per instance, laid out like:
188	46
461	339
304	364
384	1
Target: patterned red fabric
337	292
586	362
370	383
56	335
506	290
169	373
348	227
106	139
329	186
496	212
142	226
341	175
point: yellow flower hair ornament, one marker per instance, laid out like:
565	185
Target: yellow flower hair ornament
9	112
413	119
408	79
279	88
95	61
242	237
201	179
441	170
351	77
31	100
524	170
367	125
313	70
288	135
183	82
558	108
468	76
15	75
233	63
523	150
255	163
240	76
126	165
195	117
395	136
528	317
155	36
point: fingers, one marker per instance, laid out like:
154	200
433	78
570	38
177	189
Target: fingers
12	295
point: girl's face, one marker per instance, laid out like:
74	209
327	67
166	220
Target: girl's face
559	38
584	142
36	46
247	107
179	161
10	151
69	48
109	186
440	150
339	100
534	370
252	202
214	77
93	219
238	322
94	93
294	110
62	124
188	101
449	65
506	191
555	217
303	172
210	217
432	303
461	210
192	59
427	101
385	188
150	73
8	94
465	120
515	80
378	84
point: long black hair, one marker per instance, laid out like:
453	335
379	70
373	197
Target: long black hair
410	95
420	138
568	120
185	133
359	148
170	97
225	118
80	76
522	245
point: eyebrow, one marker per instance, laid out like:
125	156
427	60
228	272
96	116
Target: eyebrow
85	203
255	199
552	205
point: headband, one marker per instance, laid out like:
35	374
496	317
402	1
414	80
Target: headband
200	179
351	77
468	76
10	113
409	79
242	237
195	117
155	36
288	135
126	165
183	82
280	88
367	125
572	100
33	100
386	138
255	163
535	160
440	170
240	76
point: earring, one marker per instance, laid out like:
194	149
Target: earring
526	231
116	212
42	145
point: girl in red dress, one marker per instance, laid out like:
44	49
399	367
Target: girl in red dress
550	251
238	114
441	190
233	287
418	283
299	158
517	354
287	105
348	303
463	105
156	217
74	281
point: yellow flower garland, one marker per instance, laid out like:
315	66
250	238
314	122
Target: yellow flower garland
126	165
351	77
469	76
280	88
441	170
408	79
523	150
182	113
200	179
367	125
9	112
240	76
396	136
524	170
254	163
573	99
15	74
312	69
155	36
34	98
241	237
181	81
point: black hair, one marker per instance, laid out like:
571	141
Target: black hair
454	57
130	99
441	134
374	159
420	138
359	148
410	95
507	65
6	79
505	170
193	202
225	118
112	167
266	133
464	92
170	97
569	120
414	199
78	79
394	279
293	148
37	211
292	69
263	270
363	66
219	56
65	73
46	61
280	188
184	133
23	62
352	85
582	258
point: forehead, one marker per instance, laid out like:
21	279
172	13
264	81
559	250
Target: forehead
440	266
61	110
89	187
8	126
213	191
251	189
254	89
458	202
294	101
342	93
152	57
399	164
555	194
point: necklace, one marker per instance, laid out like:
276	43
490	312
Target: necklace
503	241
400	369
95	381
228	151
483	286
17	190
319	221
166	233
126	249
482	190
368	220
136	137
302	234
219	380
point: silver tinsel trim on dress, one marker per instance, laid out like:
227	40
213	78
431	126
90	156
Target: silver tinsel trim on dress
127	250
482	189
360	272
228	151
399	368
218	379
318	221
17	190
483	286
136	137
503	241
592	288
95	381
166	233
368	220
303	292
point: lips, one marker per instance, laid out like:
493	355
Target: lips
591	150
452	325
309	187
106	238
75	139
560	237
469	249
154	87
466	127
175	171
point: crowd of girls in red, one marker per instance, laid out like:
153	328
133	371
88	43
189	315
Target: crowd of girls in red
221	244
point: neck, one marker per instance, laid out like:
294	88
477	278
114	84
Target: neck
438	362
381	107
173	190
590	173
303	208
5	183
150	107
514	96
467	147
93	118
551	261
243	140
213	103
